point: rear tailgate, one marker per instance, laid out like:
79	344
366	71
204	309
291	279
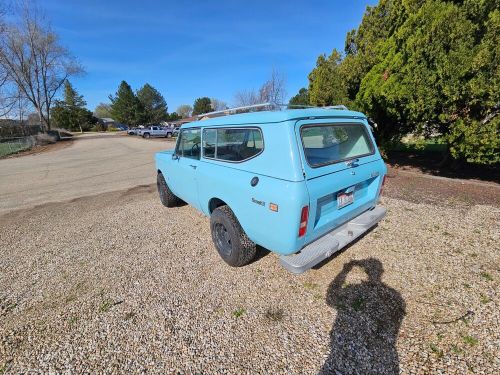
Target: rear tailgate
343	171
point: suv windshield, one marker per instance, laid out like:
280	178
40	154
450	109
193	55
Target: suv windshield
330	143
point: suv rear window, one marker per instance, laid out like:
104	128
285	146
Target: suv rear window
232	144
332	143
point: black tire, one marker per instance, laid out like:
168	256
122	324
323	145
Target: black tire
167	198
169	135
146	135
229	238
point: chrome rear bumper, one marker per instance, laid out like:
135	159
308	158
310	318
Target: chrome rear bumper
332	242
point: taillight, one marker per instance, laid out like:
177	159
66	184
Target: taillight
304	215
383	183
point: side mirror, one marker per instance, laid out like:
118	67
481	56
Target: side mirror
175	156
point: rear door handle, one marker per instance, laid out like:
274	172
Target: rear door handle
192	166
352	163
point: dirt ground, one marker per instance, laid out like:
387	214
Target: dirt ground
417	187
89	165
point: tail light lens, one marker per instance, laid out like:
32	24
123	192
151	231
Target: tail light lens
304	216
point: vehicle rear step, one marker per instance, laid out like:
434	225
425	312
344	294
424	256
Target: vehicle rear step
332	242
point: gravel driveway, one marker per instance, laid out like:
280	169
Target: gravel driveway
116	283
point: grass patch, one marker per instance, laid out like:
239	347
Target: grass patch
470	340
310	286
438	352
417	146
106	306
486	276
274	314
239	312
455	349
484	298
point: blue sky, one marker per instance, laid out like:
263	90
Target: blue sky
189	49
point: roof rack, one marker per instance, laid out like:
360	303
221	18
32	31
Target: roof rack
262	106
230	111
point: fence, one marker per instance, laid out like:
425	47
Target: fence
14	145
15	137
15	131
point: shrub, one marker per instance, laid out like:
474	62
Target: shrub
44	139
476	142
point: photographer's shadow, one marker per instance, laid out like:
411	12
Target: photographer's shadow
369	314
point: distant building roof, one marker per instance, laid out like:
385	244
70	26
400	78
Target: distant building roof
107	119
185	120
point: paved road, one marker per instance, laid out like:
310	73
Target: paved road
89	166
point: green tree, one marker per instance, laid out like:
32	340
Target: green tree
302	98
70	113
326	86
125	106
103	110
173	117
154	105
202	105
427	67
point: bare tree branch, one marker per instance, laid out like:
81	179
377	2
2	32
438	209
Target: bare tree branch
273	91
32	60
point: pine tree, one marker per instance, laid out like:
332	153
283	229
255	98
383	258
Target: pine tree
202	105
70	113
154	105
125	106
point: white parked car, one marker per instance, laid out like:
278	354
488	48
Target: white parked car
155	131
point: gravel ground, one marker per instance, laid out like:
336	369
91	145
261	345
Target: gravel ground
87	286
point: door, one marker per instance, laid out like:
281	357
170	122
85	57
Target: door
343	171
185	163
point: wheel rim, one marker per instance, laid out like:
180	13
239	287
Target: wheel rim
223	239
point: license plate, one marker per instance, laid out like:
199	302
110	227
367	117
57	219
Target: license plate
344	199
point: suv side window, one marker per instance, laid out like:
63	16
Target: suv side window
188	145
232	144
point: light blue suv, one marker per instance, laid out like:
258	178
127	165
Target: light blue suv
302	183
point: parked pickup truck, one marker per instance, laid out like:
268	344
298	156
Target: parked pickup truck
303	183
155	131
